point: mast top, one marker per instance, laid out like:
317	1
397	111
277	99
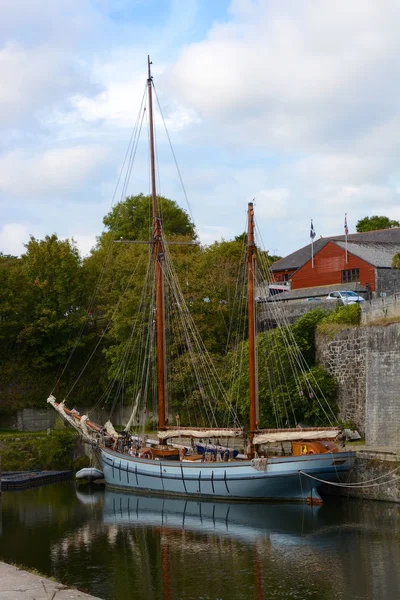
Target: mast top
149	63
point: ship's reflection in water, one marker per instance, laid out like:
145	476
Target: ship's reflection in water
120	546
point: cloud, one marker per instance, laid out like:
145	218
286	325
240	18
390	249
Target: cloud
272	204
13	236
36	80
293	74
54	171
294	103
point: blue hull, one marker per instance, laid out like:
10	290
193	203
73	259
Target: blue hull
284	478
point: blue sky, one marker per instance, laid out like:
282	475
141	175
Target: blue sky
293	103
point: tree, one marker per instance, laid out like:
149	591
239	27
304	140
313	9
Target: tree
132	219
396	261
287	374
375	222
55	302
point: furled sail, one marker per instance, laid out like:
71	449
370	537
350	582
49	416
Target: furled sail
292	435
199	433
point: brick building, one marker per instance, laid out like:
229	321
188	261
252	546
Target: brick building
368	264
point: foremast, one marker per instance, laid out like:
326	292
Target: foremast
251	315
158	252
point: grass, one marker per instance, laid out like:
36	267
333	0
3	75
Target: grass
385	321
355	443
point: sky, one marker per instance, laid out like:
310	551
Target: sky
292	103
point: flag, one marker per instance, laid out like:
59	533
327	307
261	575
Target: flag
312	231
346	229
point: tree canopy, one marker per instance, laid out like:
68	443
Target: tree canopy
58	310
375	222
131	219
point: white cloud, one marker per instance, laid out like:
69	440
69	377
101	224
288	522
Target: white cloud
35	80
84	243
272	204
54	171
292	102
13	236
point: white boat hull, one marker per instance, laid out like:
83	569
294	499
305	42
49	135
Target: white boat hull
89	473
284	478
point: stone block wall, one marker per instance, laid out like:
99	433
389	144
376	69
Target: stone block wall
274	314
344	356
366	363
380	308
30	419
388	281
383	386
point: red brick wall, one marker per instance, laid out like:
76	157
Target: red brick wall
329	263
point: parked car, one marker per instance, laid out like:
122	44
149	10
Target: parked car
346	297
313	299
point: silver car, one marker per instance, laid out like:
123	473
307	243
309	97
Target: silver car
346	297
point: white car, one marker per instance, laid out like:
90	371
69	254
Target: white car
346	297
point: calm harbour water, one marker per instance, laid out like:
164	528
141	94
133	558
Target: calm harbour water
119	546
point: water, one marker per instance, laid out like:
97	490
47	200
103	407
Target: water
119	546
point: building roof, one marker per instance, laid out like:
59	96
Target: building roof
377	255
300	257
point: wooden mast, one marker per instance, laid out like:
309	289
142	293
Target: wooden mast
251	262
158	257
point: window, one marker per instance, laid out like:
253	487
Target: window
350	275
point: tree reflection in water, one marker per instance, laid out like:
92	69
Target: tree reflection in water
118	546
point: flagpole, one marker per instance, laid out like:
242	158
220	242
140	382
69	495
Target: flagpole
312	253
346	231
312	236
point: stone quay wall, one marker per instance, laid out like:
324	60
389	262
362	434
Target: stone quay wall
366	363
376	473
35	419
381	308
275	314
344	356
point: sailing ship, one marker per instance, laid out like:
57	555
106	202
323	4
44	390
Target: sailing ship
199	465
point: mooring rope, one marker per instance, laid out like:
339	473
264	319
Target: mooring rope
361	484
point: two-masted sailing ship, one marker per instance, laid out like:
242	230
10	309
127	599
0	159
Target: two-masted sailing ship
192	461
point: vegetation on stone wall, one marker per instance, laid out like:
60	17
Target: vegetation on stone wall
283	385
340	318
396	261
38	451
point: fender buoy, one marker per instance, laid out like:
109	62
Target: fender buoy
145	454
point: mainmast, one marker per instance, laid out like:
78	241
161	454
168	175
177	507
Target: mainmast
251	264
158	251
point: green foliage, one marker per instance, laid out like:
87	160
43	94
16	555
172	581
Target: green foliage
24	452
284	380
343	315
396	261
304	332
375	222
132	219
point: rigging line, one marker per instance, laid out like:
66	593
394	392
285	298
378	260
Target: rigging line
132	343
301	362
186	327
103	334
173	154
132	159
189	324
358	485
290	354
107	255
